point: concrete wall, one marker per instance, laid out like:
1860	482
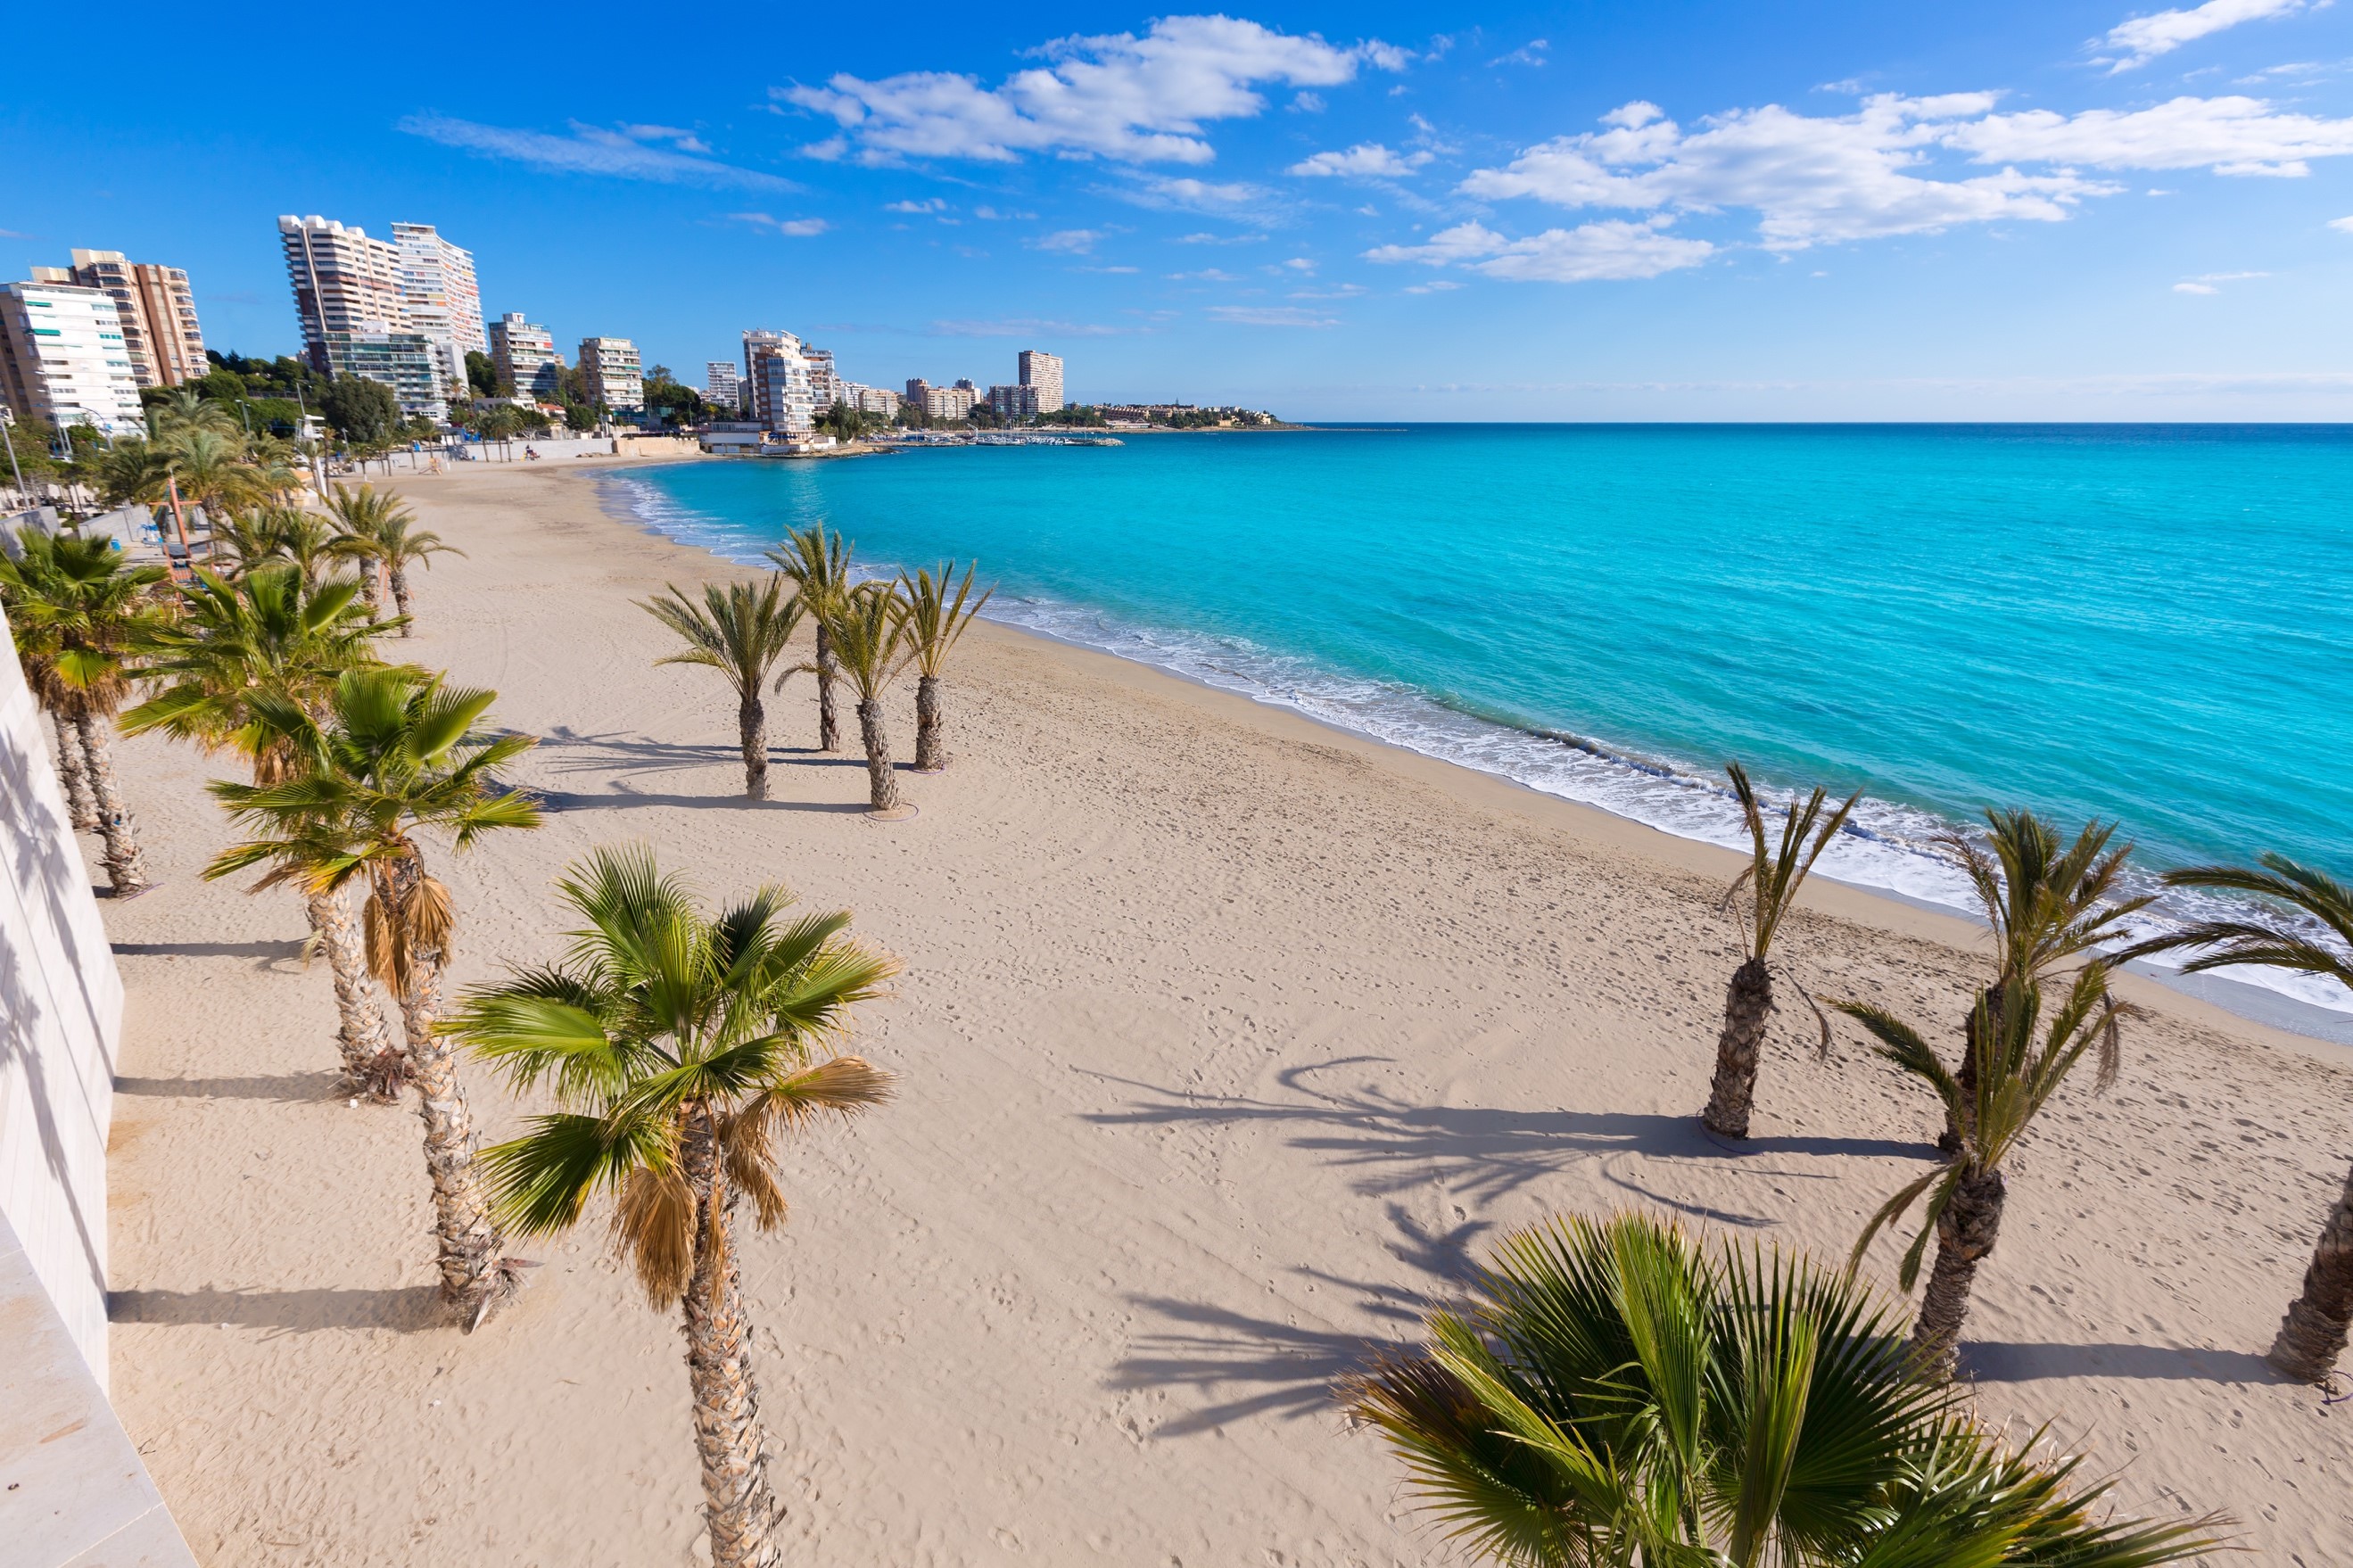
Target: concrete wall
61	1022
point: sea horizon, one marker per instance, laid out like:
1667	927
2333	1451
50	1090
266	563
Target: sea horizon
1615	620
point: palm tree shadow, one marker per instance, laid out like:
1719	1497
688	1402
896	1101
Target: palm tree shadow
268	952
1488	1153
1997	1361
293	1089
408	1310
1248	1366
632	800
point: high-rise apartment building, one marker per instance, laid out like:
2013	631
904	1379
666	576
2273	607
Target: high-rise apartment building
408	362
343	282
950	402
155	307
825	385
525	355
1014	402
721	385
610	370
1042	373
917	389
438	297
776	383
878	400
64	357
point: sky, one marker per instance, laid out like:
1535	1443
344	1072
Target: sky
2070	209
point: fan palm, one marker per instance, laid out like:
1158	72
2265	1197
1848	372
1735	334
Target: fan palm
273	631
817	563
210	468
677	1046
73	767
184	408
79	613
740	630
380	532
938	611
134	471
868	626
1615	1395
2312	1336
2019	1062
1772	877
396	752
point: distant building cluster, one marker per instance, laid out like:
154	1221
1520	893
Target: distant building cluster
79	344
786	387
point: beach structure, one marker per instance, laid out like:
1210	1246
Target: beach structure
610	369
525	355
776	381
160	334
1041	373
63	359
721	383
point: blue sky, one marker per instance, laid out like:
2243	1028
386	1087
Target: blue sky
1666	210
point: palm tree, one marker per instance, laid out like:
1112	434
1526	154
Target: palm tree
1772	877
1613	1394
867	628
397	752
741	631
935	619
816	561
376	530
274	632
210	470
73	767
2019	1063
2312	1336
80	614
184	408
677	1045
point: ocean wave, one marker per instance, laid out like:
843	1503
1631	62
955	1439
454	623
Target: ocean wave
1887	846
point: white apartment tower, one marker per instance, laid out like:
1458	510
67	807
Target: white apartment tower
526	355
438	297
64	357
776	383
825	385
1042	373
721	385
157	310
343	282
612	373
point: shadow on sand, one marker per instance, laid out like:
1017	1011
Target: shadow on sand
1996	1361
408	1310
292	1089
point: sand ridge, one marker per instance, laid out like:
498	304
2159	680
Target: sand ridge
1227	1040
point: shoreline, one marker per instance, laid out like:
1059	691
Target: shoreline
2311	1027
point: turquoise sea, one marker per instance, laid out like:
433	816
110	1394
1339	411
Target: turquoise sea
2148	623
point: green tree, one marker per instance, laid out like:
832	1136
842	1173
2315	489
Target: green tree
482	377
1613	1394
816	560
361	411
938	610
2018	1061
376	529
2307	931
1773	876
741	630
868	629
677	1046
397	753
80	614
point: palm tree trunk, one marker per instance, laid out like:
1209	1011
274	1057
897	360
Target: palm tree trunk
371	590
1966	1233
1748	1004
930	750
372	1064
752	718
2312	1336
1962	1122
829	716
737	1502
399	575
126	868
882	779
73	772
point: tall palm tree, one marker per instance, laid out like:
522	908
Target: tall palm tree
73	766
210	468
816	561
1615	1395
134	471
868	626
740	630
272	631
1772	877
80	614
378	531
2312	1336
2019	1062
2047	902
938	611
184	408
678	1045
397	753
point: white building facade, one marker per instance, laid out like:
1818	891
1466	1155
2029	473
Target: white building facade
614	376
343	281
1042	374
524	352
157	308
439	298
64	358
721	385
777	391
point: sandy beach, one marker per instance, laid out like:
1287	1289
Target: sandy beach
1226	1042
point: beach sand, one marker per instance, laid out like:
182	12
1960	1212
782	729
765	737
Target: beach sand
1227	1041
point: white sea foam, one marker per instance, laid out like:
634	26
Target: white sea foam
1887	848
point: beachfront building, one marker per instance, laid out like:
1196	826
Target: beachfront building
155	307
63	357
438	297
825	384
720	384
408	362
880	401
1041	373
524	352
344	282
776	383
610	370
1014	402
950	402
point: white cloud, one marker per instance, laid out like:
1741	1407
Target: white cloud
996	214
1435	286
2229	135
1531	53
1220	238
1364	160
594	149
2195	288
1614	249
1074	241
1213	198
684	140
2143	38
1300	264
1120	96
935	204
2206	284
1271	316
2342	225
794	227
1206	275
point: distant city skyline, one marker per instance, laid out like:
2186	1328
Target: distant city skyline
2082	208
